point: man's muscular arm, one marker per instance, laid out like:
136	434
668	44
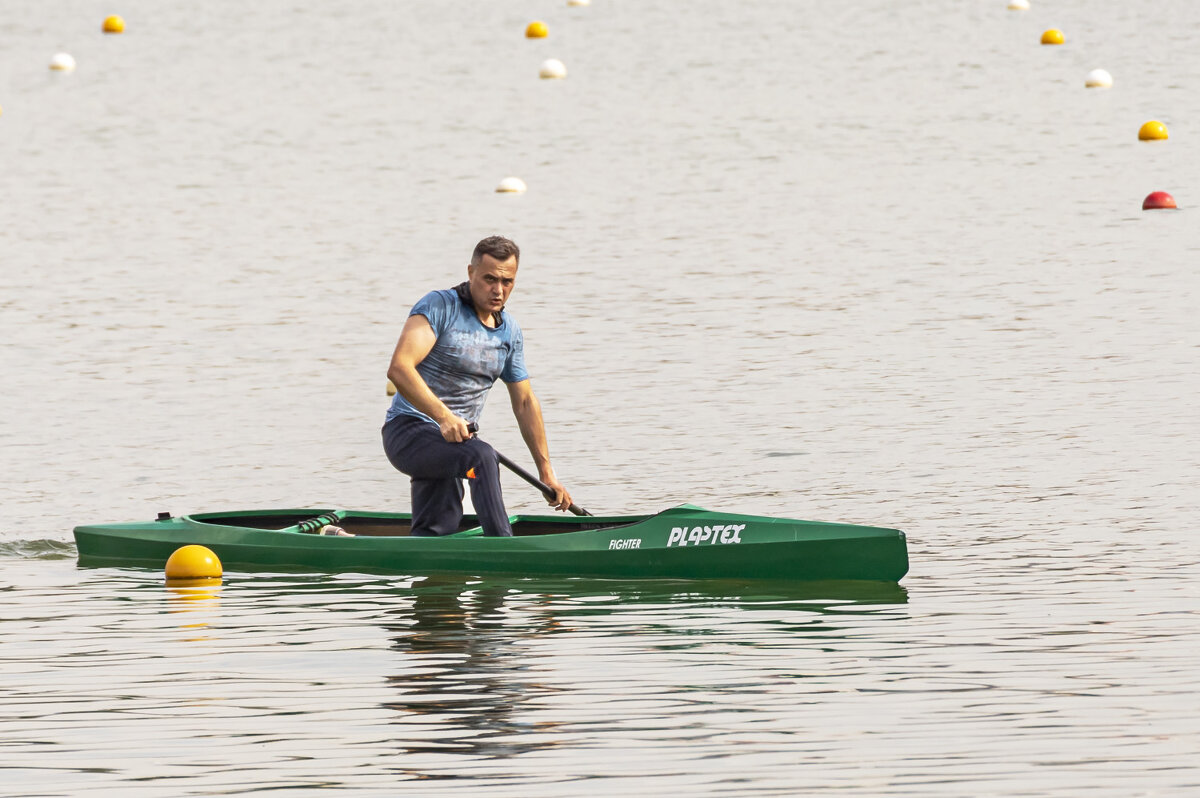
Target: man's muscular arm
416	340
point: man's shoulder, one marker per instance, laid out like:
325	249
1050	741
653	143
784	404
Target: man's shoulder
441	303
441	296
510	323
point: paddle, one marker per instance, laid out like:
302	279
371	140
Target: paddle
546	490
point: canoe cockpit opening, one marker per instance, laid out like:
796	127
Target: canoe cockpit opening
394	526
379	527
313	521
528	527
274	521
386	527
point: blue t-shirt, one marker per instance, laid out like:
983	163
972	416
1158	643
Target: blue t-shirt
467	357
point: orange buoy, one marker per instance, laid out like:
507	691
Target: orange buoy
1152	131
191	565
1158	200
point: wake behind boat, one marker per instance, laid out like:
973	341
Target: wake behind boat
683	542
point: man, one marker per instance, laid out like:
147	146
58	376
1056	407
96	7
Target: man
454	345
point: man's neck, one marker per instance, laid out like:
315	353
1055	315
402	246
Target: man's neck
491	320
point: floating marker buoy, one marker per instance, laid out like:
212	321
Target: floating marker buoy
1098	79
391	388
113	24
578	2
192	565
552	69
511	185
1152	131
1053	36
1018	5
62	62
1158	200
536	30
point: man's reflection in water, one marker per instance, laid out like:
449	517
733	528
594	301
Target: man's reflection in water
468	671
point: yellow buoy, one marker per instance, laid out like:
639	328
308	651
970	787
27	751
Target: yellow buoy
193	565
114	24
1152	131
1053	36
391	388
536	30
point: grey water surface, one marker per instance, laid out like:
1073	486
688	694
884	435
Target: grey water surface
860	261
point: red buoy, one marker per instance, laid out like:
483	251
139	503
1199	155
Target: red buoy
1158	200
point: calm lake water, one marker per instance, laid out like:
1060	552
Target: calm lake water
858	261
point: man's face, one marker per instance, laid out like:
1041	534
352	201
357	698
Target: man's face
491	282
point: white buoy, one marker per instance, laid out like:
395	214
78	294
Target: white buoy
511	185
578	2
1099	79
62	62
552	69
1018	5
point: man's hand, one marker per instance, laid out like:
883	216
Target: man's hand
562	499
454	429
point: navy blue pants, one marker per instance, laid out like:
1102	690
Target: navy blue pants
437	468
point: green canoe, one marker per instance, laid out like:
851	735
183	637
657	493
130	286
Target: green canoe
684	542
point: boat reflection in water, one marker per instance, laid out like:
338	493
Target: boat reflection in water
496	668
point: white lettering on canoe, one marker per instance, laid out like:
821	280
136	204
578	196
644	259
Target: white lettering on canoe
625	543
700	535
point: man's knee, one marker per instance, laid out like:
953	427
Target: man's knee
482	454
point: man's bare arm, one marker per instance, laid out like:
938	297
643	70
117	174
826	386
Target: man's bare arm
416	340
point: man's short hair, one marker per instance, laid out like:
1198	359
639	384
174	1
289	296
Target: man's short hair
498	247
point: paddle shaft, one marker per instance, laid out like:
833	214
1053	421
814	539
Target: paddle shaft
546	490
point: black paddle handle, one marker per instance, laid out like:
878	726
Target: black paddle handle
546	490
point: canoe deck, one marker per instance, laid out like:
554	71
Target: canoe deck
682	542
